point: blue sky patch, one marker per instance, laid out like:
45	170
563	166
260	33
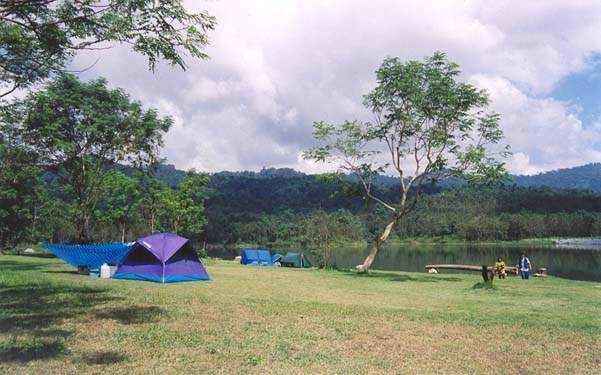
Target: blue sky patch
582	90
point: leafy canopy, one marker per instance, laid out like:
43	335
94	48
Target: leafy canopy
119	200
38	38
427	126
79	128
431	126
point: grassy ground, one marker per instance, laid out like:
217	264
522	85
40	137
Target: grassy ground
286	321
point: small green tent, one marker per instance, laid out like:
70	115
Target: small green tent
296	260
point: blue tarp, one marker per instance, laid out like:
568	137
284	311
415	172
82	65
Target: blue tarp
256	256
259	257
92	256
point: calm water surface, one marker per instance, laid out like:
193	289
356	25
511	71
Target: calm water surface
566	262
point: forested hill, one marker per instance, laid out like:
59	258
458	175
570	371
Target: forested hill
287	206
585	177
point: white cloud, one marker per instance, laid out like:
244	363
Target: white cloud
543	133
277	66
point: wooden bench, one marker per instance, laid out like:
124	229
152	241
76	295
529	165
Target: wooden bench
488	272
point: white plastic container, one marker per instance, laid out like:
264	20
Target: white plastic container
105	271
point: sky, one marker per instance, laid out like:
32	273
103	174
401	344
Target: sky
277	66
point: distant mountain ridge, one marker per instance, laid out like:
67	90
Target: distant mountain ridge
584	177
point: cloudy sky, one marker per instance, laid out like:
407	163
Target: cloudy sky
277	66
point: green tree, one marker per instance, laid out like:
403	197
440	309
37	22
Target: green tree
78	129
19	189
180	210
29	211
154	194
430	126
322	230
189	201
119	200
39	38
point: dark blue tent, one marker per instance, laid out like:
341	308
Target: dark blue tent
259	257
92	256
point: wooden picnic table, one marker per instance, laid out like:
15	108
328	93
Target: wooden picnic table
488	272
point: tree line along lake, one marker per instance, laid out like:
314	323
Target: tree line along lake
574	260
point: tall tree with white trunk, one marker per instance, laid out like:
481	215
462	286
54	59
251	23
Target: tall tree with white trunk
427	126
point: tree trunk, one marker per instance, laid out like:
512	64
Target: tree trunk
123	233
83	226
376	247
33	223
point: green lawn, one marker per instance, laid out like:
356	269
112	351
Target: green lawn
287	321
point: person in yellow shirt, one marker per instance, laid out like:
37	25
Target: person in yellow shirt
500	268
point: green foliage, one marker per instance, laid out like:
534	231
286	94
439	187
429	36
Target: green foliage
77	128
276	208
119	201
322	231
39	38
428	125
189	200
18	192
482	228
423	115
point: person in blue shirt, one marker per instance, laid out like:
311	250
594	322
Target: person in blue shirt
525	266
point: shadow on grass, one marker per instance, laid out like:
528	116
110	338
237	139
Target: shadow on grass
40	255
484	285
73	272
132	314
392	276
10	265
103	358
33	310
27	350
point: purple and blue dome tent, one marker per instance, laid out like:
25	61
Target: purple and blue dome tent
163	258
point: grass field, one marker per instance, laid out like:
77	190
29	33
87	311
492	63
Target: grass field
285	321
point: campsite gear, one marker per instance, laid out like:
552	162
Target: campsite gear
105	271
258	257
276	258
296	260
86	257
163	258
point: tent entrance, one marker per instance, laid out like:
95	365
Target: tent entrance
164	258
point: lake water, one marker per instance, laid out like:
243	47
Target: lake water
578	263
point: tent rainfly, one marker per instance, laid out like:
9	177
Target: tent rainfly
90	256
296	260
258	257
163	258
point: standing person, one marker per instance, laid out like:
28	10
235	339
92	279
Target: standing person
500	268
525	266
